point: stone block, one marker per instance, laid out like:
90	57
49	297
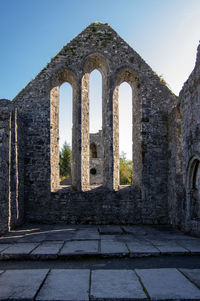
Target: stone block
142	248
169	247
80	247
66	285
21	284
86	234
167	284
113	248
116	285
192	245
20	249
48	248
193	275
110	230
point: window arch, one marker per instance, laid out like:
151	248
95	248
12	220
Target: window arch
61	77
125	134
127	75
93	62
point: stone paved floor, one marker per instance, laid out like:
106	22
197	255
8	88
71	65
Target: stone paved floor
85	284
53	242
62	243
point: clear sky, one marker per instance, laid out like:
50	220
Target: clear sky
165	33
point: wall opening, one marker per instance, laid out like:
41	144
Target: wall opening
125	134
130	101
95	96
95	128
195	190
65	133
93	150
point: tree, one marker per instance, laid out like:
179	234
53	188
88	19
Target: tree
65	160
125	170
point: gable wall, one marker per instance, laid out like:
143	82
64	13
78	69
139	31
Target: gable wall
146	200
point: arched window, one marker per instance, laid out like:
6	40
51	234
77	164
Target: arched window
64	125
129	108
93	150
125	134
95	96
65	133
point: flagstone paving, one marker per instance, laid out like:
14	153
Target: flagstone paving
38	243
85	284
115	241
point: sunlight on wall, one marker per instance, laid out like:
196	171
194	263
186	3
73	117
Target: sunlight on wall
65	114
95	96
125	120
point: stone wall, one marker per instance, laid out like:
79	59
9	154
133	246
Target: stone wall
5	157
189	100
97	47
176	191
11	167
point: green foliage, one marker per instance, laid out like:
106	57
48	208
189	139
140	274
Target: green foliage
125	170
65	158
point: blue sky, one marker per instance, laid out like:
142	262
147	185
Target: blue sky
164	32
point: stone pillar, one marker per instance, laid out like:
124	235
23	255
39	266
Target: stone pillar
84	132
108	174
116	180
54	137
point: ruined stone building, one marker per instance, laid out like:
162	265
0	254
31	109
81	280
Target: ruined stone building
166	143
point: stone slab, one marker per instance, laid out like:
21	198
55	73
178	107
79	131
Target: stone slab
193	275
167	284
86	234
142	248
20	248
192	245
48	248
136	230
77	247
21	284
36	237
4	246
116	285
110	230
110	247
169	247
66	285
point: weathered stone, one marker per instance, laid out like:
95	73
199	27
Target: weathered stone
142	248
21	284
165	136
66	285
193	275
20	248
48	248
167	284
80	247
116	285
192	245
110	247
110	230
169	247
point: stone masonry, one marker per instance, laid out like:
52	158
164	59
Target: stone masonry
96	158
166	169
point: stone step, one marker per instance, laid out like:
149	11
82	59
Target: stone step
102	248
86	284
